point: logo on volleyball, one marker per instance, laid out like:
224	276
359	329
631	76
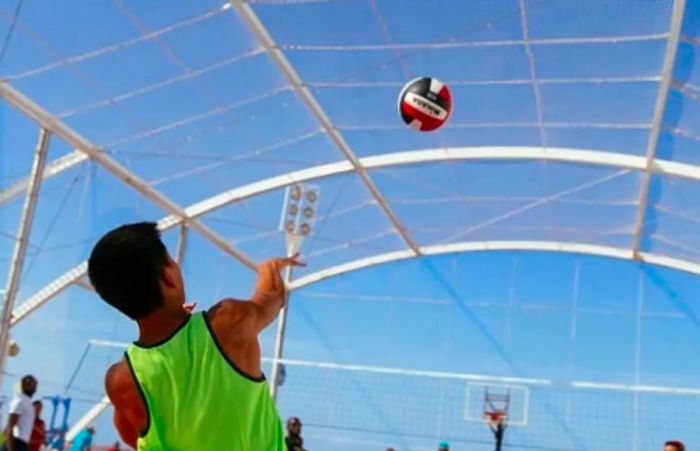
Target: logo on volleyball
425	104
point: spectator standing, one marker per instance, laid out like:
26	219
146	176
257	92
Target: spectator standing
21	418
293	440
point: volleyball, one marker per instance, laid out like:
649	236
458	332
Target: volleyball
425	104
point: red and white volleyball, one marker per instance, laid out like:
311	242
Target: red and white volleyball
425	104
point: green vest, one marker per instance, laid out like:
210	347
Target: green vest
198	400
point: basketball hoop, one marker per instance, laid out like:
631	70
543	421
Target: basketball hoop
495	418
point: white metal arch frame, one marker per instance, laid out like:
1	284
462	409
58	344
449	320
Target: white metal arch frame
563	155
487	153
486	246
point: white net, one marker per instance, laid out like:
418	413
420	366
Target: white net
410	406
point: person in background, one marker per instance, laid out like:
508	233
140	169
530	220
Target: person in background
674	445
38	437
115	447
21	419
444	446
83	441
293	440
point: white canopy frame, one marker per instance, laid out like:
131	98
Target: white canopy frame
186	217
561	155
485	246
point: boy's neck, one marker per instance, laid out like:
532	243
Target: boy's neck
160	325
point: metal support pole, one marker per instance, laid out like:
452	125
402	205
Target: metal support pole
182	245
261	33
99	156
20	251
55	400
64	423
279	338
572	337
293	245
85	284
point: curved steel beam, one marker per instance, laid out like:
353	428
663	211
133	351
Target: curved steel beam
562	155
482	246
489	153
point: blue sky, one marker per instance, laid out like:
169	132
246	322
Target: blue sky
198	108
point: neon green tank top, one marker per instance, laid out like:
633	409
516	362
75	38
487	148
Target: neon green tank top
198	400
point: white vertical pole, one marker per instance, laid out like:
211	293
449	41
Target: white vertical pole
511	300
572	336
293	247
20	251
182	244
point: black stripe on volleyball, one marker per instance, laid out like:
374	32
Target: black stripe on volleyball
422	87
425	106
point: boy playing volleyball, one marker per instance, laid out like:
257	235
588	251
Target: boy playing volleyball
192	380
